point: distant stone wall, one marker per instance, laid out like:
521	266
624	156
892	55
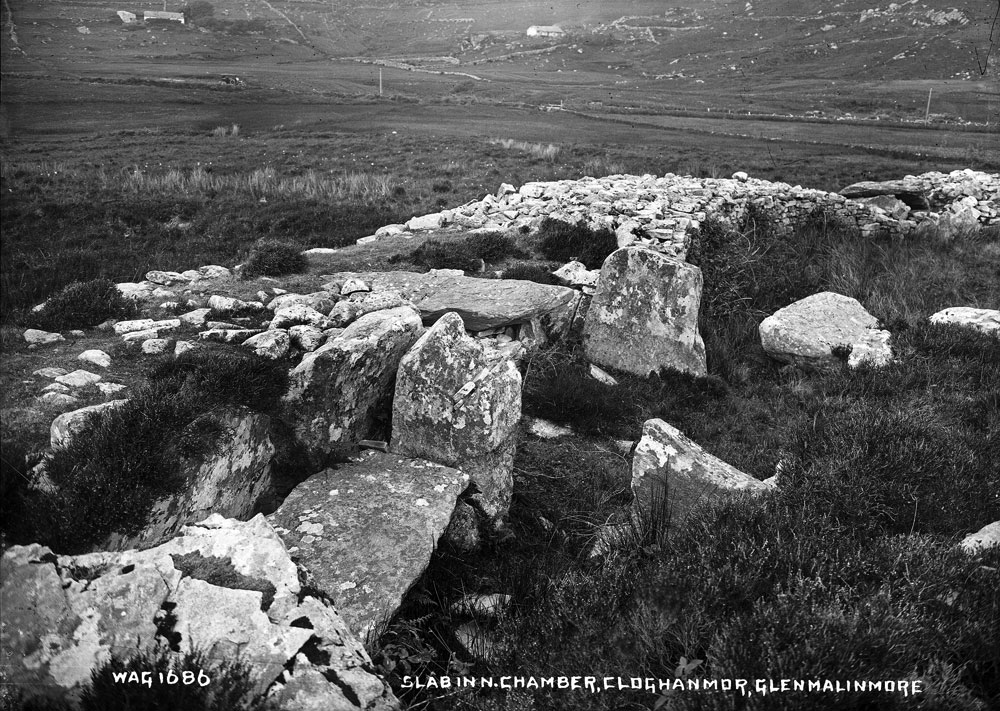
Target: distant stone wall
659	211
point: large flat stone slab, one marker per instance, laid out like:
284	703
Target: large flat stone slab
367	530
482	303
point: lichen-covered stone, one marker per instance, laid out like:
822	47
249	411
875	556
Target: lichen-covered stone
338	392
366	530
458	402
482	303
984	320
670	469
231	481
809	330
65	616
644	316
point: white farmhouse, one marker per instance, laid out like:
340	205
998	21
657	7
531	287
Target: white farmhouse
546	31
160	15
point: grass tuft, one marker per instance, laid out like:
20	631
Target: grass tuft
562	242
82	305
274	258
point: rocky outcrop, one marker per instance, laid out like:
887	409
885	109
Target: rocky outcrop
482	303
232	481
367	529
66	425
644	316
812	330
670	470
232	591
458	403
338	392
984	320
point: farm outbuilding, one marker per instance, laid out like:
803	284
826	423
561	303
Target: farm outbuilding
160	15
546	31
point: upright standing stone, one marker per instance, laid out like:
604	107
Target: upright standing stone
644	316
458	402
338	391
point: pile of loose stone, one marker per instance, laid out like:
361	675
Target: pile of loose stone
657	212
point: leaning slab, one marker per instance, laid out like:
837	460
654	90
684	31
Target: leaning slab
644	316
669	469
808	331
232	481
482	303
367	530
66	616
337	393
984	320
458	402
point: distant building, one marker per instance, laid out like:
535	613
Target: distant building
160	15
546	31
127	17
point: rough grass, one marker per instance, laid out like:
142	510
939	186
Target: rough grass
127	457
82	305
274	258
848	571
469	254
562	242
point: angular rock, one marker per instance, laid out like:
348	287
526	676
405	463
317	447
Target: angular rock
670	470
891	205
226	304
155	346
214	271
367	529
360	303
425	222
66	425
577	274
182	347
110	388
50	372
269	344
58	399
140	336
41	338
338	392
79	379
142	324
65	616
136	290
56	388
903	190
319	301
482	303
306	338
984	320
296	315
353	286
986	537
644	316
96	357
167	278
197	317
459	403
227	335
809	330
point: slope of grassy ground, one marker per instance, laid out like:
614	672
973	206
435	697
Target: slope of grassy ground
849	571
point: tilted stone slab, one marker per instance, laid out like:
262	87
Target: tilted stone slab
367	530
482	303
668	468
644	316
809	330
231	481
914	195
458	402
64	616
337	392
